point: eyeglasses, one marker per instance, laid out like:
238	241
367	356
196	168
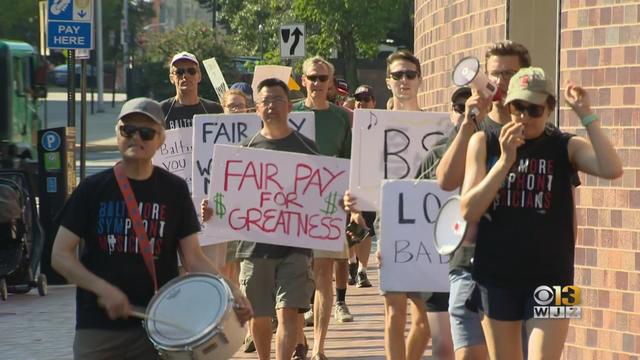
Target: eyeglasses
314	78
505	75
518	108
181	71
128	131
409	74
272	100
236	107
363	97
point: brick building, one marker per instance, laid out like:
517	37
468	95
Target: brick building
595	43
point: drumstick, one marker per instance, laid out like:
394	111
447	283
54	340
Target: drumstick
141	315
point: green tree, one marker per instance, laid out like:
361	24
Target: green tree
19	21
196	37
354	28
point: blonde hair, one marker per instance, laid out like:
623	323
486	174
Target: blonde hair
317	60
237	92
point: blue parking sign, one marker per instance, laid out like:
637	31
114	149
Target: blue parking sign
70	24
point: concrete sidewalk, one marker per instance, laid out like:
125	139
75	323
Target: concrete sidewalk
100	125
42	328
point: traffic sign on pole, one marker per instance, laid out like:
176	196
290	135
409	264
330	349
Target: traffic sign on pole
70	24
292	39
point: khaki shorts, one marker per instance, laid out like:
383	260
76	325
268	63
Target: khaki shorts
277	283
338	255
217	253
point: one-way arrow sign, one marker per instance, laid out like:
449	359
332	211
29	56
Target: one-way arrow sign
292	41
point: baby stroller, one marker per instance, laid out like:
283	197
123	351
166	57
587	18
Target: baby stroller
21	237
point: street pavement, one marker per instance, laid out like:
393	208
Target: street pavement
41	328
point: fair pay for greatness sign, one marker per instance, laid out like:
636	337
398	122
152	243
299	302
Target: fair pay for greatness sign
278	198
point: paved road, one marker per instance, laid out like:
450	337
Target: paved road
41	328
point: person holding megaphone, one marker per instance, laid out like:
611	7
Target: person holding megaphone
518	187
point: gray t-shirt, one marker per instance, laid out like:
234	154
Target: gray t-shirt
294	142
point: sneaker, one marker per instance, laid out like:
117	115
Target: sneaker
249	345
341	312
301	352
308	317
363	281
353	272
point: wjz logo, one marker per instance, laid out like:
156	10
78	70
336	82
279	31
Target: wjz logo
557	302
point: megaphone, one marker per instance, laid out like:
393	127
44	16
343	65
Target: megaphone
467	72
450	228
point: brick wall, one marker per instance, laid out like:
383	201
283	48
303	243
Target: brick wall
600	49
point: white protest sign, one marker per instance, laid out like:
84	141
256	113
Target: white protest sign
409	258
211	129
390	145
303	122
216	77
175	154
277	197
262	72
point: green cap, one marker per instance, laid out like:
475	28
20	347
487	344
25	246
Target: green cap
529	84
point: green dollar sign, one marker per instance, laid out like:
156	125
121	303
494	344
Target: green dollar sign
331	200
220	208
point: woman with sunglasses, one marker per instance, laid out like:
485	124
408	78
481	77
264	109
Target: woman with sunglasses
517	185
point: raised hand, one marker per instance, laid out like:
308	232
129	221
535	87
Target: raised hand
578	99
511	138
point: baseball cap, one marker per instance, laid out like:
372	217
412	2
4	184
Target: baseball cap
145	106
529	84
185	56
364	89
342	87
244	87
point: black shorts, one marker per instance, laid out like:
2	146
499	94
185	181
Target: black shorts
437	302
369	217
501	303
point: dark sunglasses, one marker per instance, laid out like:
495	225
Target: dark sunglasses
363	97
182	71
409	74
128	131
517	108
314	78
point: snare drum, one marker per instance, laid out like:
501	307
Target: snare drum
202	303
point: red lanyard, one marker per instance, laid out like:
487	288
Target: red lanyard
136	220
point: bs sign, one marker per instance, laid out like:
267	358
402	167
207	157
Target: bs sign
70	24
292	39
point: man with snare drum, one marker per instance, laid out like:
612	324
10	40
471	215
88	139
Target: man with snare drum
123	264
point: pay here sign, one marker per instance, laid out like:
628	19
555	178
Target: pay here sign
279	198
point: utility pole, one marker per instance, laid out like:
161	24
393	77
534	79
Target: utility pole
99	56
124	41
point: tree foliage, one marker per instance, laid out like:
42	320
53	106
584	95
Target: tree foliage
352	27
195	37
19	21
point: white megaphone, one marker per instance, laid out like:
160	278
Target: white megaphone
467	72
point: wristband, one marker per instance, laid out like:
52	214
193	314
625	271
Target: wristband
589	119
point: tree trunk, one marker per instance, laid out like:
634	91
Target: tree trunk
349	54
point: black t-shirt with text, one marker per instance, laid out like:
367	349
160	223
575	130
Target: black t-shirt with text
96	212
177	115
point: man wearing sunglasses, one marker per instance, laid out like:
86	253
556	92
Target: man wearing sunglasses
333	137
365	99
185	75
111	274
